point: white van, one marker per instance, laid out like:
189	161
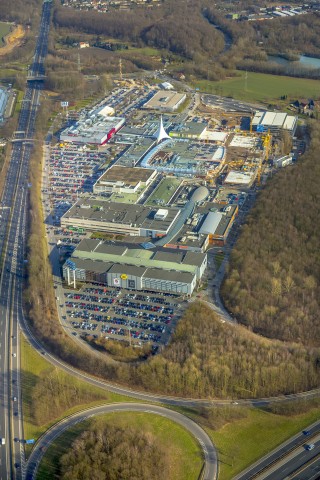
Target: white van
3	441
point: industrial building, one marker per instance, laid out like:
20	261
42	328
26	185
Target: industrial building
98	127
274	122
165	101
127	266
119	179
120	218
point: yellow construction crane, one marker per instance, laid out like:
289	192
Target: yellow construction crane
267	143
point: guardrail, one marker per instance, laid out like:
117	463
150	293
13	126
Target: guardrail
282	456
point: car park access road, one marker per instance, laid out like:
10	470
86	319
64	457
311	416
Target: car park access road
208	449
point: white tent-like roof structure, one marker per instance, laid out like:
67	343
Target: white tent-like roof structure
161	134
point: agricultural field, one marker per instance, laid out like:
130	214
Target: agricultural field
261	87
164	191
4	30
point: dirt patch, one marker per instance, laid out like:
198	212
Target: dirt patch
12	40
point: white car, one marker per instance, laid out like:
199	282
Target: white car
3	441
14	355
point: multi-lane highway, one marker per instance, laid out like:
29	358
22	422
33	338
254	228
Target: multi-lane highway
209	452
291	460
13	209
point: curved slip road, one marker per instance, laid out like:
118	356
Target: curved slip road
208	449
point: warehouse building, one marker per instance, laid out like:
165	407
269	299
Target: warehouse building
120	179
120	218
165	101
98	127
127	266
274	122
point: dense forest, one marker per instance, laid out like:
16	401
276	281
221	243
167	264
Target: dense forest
208	359
20	11
193	38
109	452
300	33
274	282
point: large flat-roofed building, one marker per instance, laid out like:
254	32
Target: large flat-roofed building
132	254
192	130
129	266
275	122
119	218
165	101
96	128
124	179
239	178
128	276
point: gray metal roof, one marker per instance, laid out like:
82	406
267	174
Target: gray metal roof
211	223
169	275
127	269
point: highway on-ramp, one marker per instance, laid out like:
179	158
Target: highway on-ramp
208	449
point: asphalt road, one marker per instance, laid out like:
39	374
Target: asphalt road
13	208
288	458
209	452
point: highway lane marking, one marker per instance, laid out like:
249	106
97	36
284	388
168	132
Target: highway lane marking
304	467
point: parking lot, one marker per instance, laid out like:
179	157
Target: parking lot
70	171
135	316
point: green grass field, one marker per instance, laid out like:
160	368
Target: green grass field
148	51
261	87
165	190
4	30
184	453
242	442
